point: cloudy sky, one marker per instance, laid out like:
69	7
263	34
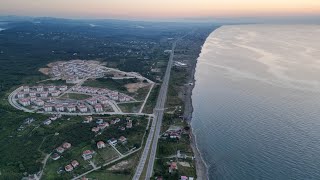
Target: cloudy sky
159	8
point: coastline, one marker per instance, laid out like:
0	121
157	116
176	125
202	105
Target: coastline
201	166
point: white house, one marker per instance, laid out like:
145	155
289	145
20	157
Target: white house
39	88
51	88
20	95
63	88
101	145
82	108
39	102
44	94
71	108
26	88
113	141
59	107
98	108
92	101
103	100
32	94
55	93
25	102
48	108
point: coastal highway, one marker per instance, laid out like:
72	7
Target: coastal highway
158	115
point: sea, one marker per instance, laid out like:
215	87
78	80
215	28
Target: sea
257	102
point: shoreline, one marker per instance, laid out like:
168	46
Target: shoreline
201	166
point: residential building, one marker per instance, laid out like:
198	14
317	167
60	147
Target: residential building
82	108
47	108
95	129
88	119
47	122
101	145
39	102
98	108
122	139
66	145
68	168
129	124
63	88
20	95
55	156
39	88
44	94
32	93
113	141
87	154
55	93
60	149
51	88
173	166
103	125
26	88
24	102
75	163
59	107
92	101
71	108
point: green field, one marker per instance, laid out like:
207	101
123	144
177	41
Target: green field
130	107
118	85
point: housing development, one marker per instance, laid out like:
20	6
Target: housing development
86	100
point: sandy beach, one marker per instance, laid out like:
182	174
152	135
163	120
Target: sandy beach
201	167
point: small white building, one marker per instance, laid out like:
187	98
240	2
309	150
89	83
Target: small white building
47	122
44	94
39	102
103	100
33	98
113	141
26	88
20	95
55	93
82	108
101	145
51	88
32	94
63	88
71	108
25	102
122	99
59	107
98	108
48	108
39	88
92	101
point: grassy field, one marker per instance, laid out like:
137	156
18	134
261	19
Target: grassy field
151	102
106	175
130	107
75	96
118	85
141	94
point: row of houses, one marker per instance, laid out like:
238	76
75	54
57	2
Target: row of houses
114	95
76	69
43	94
49	88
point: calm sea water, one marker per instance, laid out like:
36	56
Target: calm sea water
257	103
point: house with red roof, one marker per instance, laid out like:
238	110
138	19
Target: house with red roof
101	145
75	163
68	168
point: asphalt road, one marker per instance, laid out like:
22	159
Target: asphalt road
158	115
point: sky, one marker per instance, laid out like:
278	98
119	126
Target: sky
126	9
